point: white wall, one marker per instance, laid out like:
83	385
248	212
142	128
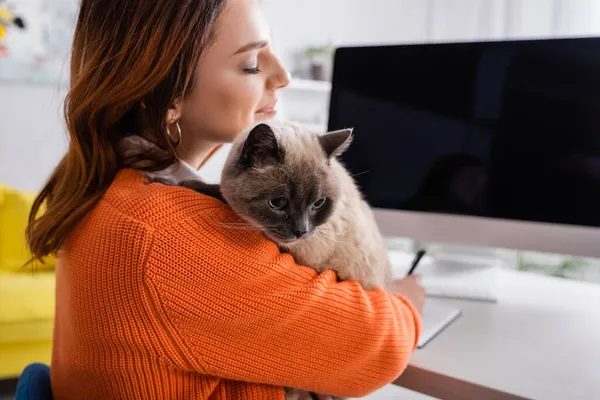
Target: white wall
299	24
296	25
32	134
32	137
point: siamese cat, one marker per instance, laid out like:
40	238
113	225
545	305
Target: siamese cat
286	181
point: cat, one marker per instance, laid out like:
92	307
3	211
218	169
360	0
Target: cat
287	181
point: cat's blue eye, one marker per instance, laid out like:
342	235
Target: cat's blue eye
278	203
317	205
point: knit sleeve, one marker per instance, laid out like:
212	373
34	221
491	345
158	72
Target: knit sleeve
241	310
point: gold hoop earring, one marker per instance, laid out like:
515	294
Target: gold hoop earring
178	141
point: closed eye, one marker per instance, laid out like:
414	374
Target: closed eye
252	71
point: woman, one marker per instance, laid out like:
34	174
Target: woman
155	299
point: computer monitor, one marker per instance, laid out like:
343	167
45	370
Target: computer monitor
488	143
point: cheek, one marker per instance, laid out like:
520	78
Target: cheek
246	95
223	106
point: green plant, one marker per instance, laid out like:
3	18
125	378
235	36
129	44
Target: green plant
566	266
560	271
320	51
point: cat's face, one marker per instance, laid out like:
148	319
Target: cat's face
280	179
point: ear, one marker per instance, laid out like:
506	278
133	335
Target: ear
261	147
336	142
174	112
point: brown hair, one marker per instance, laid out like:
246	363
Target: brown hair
130	60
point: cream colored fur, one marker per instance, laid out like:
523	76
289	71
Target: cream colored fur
350	242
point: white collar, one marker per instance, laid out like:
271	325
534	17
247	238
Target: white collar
178	171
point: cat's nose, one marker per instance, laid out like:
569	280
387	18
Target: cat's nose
300	232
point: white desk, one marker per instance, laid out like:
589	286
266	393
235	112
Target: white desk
392	392
540	341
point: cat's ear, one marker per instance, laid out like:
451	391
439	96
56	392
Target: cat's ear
336	142
261	147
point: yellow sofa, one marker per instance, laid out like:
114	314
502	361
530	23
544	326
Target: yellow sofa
26	293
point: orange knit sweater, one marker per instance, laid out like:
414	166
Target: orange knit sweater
157	299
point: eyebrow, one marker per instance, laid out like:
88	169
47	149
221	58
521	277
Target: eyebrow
252	46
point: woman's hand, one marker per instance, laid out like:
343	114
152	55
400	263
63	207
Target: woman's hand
410	287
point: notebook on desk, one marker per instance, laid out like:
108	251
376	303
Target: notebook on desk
450	279
435	318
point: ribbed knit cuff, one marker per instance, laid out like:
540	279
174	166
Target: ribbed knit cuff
418	324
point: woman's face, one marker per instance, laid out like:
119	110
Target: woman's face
236	79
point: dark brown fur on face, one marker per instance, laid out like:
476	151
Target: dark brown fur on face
281	180
262	173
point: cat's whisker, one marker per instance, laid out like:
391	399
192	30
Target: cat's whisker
340	233
324	242
331	240
329	231
325	239
237	223
331	236
240	226
243	228
360	173
279	186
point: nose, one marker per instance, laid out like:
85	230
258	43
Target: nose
280	77
299	232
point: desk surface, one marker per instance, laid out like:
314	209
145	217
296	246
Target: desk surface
540	341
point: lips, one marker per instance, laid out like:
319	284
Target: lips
268	109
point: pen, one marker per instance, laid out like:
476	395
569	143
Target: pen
416	261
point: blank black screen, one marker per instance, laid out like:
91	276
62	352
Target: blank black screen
497	129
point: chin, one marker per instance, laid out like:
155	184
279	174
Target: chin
264	117
282	241
287	241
